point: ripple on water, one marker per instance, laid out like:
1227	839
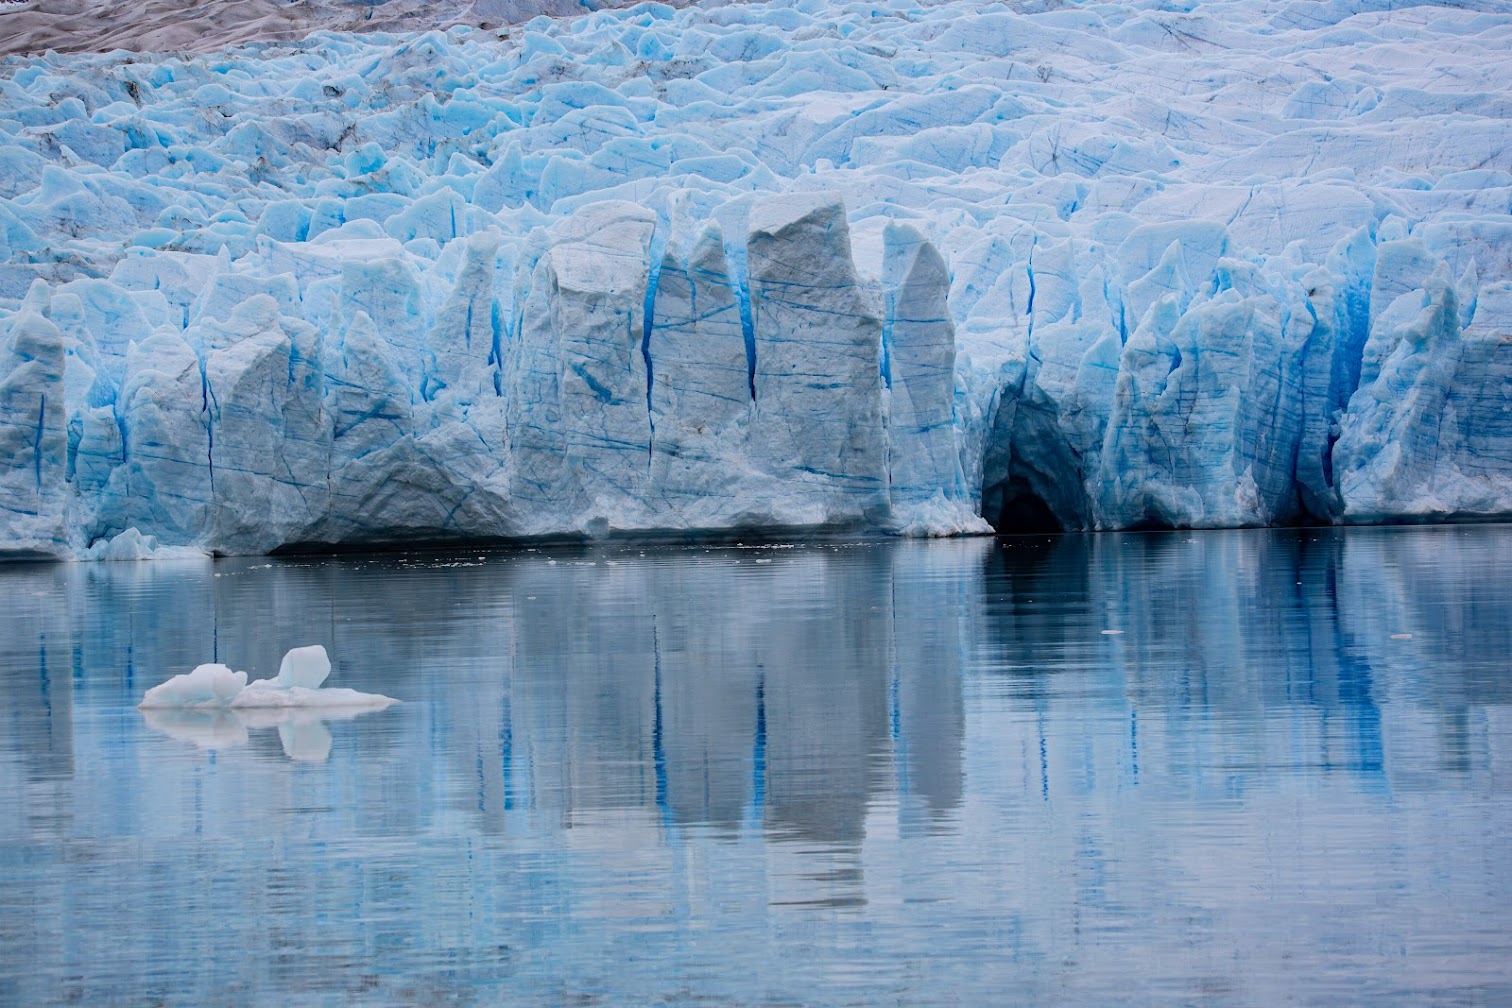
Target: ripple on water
914	773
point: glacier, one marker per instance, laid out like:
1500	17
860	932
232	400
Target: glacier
925	268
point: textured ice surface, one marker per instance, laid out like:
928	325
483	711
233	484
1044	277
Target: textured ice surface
896	266
297	686
211	685
305	667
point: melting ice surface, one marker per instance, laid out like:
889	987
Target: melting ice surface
297	685
899	266
858	772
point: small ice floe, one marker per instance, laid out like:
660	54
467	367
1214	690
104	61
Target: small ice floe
132	545
297	686
1401	636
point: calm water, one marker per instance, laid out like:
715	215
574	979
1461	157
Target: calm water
875	773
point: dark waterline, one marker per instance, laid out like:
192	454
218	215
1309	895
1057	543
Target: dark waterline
875	772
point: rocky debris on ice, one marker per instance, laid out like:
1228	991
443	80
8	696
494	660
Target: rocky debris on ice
207	25
297	685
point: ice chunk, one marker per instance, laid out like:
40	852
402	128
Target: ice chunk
297	686
132	545
163	482
818	346
270	437
266	693
210	685
701	386
33	440
929	495
304	666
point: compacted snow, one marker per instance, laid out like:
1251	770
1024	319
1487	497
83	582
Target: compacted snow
902	266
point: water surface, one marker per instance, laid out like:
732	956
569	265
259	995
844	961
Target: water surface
1204	768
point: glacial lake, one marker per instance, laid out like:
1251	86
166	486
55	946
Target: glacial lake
1201	768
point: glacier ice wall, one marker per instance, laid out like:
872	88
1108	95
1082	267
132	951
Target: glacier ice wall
904	266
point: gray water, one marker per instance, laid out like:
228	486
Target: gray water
844	773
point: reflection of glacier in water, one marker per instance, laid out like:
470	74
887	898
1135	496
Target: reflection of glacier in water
916	772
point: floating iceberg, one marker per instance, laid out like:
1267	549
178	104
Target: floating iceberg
214	687
916	268
132	545
210	685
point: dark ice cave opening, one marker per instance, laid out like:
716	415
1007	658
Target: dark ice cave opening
1022	510
1151	524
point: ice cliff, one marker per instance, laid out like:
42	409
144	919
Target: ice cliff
897	266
